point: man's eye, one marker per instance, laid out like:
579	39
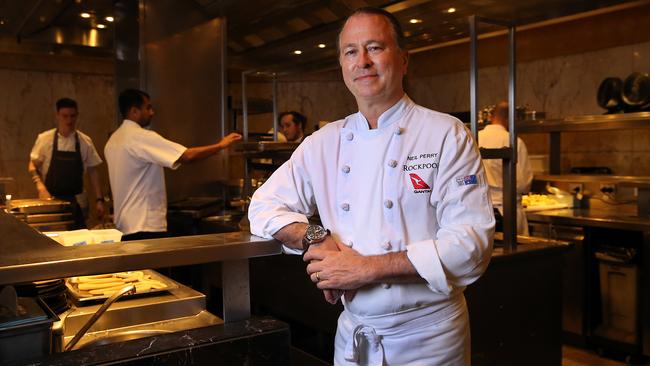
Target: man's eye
374	49
349	52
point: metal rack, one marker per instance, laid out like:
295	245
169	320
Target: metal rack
507	154
603	122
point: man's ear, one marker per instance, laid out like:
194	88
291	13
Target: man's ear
405	58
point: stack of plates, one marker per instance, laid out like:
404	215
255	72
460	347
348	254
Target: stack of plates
52	292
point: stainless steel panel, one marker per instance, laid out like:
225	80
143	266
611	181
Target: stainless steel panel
182	71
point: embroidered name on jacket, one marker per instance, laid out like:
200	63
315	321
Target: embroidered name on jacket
422	164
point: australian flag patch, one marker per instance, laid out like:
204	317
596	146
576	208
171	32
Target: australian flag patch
466	180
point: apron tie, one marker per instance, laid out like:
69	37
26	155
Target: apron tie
364	335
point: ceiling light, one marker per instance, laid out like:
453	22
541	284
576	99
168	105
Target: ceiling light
451	10
321	45
109	19
2	22
297	52
415	21
85	15
101	26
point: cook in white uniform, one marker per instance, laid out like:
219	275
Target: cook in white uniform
59	158
136	157
496	135
403	192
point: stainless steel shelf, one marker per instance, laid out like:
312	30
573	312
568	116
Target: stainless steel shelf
580	178
587	123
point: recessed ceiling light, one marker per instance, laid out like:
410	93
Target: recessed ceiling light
101	26
85	15
2	22
321	45
297	52
451	10
109	19
415	21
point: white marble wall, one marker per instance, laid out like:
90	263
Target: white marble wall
27	107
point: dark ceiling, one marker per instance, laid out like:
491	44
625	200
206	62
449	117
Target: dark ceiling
264	33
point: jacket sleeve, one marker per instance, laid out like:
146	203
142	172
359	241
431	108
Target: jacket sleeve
286	197
461	249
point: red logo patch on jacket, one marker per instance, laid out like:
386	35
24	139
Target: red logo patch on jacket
417	182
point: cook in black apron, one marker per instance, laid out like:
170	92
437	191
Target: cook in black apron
64	179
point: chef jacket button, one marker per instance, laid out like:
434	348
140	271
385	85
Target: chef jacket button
345	206
349	136
345	169
387	246
392	163
388	204
350	244
385	285
398	131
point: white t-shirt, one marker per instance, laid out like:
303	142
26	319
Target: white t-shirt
136	157
42	150
494	137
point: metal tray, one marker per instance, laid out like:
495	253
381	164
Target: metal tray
51	217
81	298
37	206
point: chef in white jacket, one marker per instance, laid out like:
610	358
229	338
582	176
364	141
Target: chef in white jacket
404	203
496	135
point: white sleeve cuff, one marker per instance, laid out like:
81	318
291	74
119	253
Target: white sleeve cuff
424	257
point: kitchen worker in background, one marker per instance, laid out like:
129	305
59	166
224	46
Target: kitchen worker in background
292	126
58	160
136	157
406	216
496	135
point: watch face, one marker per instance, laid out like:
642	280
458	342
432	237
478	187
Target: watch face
315	233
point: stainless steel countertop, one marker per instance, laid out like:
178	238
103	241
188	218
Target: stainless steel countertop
591	217
27	255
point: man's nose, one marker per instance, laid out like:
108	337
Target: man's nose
364	60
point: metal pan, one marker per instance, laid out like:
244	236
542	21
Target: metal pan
81	298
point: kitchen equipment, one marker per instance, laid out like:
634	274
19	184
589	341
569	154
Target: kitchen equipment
136	317
38	206
124	291
610	95
81	297
26	334
52	292
636	91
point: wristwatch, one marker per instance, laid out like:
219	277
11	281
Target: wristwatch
314	234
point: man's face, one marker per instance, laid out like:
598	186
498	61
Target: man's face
145	113
66	118
371	61
289	128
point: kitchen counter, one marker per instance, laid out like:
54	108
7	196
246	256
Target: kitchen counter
591	217
27	255
255	341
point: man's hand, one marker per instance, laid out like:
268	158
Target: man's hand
342	269
331	296
43	192
99	209
229	139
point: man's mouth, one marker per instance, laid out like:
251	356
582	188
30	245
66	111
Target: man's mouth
365	77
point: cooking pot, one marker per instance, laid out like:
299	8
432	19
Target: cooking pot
636	91
609	95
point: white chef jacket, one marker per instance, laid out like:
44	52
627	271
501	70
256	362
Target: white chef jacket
414	184
495	136
135	157
42	151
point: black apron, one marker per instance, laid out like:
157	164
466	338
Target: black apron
64	179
